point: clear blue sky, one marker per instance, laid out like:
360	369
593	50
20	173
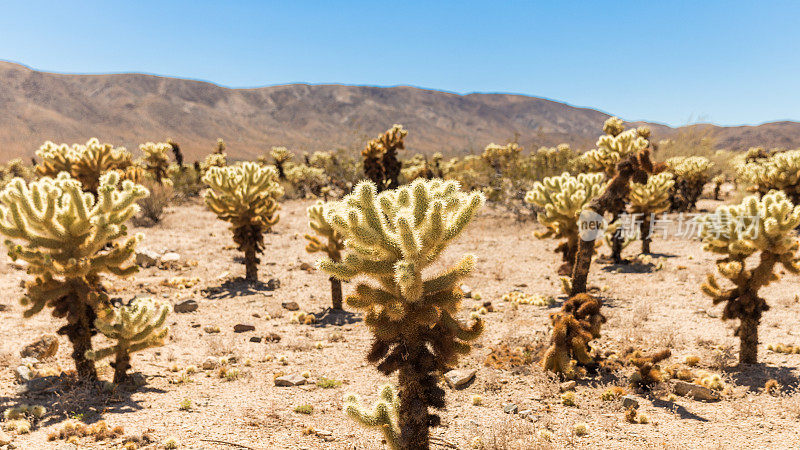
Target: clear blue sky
728	62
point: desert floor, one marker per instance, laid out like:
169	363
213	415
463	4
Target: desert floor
647	308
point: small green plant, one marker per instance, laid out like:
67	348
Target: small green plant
328	383
185	405
304	409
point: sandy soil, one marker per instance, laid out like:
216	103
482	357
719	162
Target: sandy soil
646	308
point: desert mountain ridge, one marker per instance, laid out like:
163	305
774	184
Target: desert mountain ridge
128	109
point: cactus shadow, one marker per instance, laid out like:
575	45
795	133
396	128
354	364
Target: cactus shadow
335	317
754	376
681	411
240	287
66	397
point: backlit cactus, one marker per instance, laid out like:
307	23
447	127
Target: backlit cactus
381	164
133	327
779	170
71	239
392	238
691	174
281	156
766	227
306	179
156	159
647	200
563	199
86	163
613	148
246	195
332	247
574	327
384	414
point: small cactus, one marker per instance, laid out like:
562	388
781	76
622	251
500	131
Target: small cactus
691	174
647	200
574	327
134	327
384	414
156	159
332	247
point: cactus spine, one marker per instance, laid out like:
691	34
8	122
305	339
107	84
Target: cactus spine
648	200
134	327
762	226
392	238
332	247
246	195
72	238
384	415
563	199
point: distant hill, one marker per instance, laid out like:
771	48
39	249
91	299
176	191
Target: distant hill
128	109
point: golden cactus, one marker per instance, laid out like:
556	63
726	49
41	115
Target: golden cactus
246	195
574	327
72	238
647	200
774	171
764	226
384	414
156	159
133	327
86	163
281	156
563	199
380	158
393	237
332	247
691	174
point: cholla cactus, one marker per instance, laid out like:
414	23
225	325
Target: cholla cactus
134	327
764	226
85	163
393	237
72	238
332	247
647	200
156	159
780	170
691	174
613	126
15	168
563	199
281	156
246	195
500	156
176	152
380	158
219	149
309	180
574	327
613	148
718	181
384	415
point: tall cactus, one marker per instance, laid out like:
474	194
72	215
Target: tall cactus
647	200
381	164
384	414
156	159
332	247
563	199
762	226
71	239
393	237
134	327
246	195
86	163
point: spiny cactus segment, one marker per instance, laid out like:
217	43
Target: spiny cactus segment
381	164
384	414
647	200
574	327
156	159
86	163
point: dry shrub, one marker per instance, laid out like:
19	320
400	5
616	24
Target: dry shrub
152	208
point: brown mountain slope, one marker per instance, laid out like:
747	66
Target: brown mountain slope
128	109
